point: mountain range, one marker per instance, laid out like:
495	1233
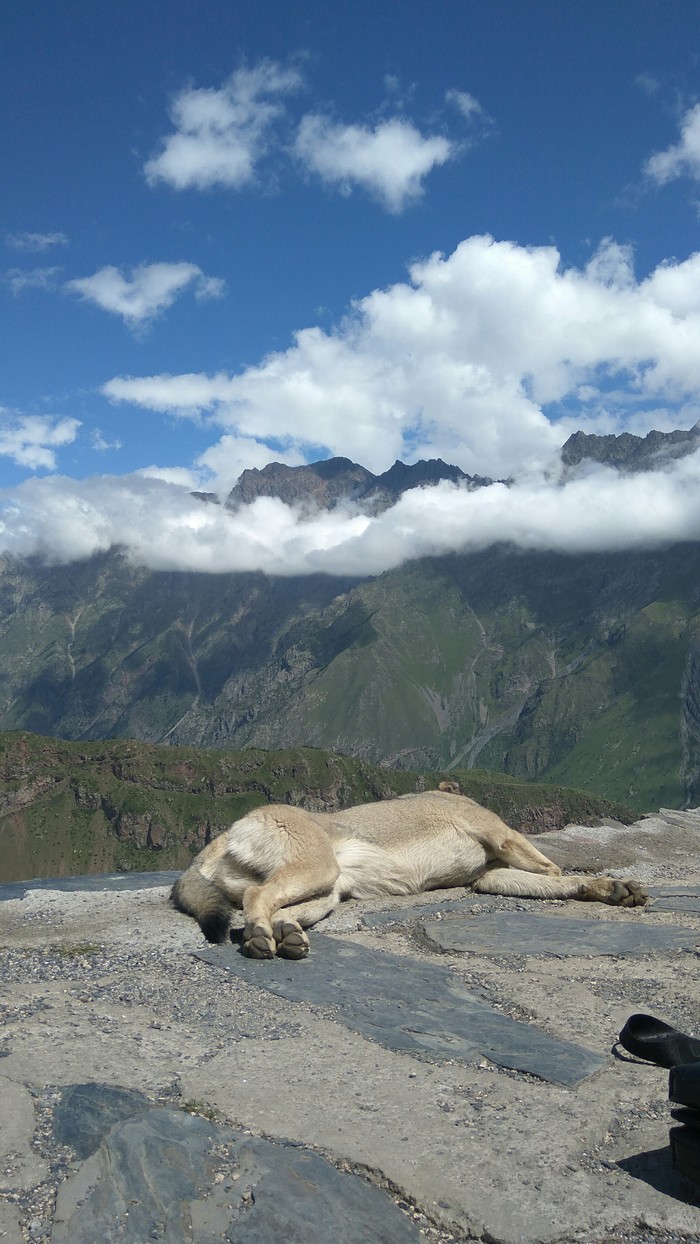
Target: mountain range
575	669
324	485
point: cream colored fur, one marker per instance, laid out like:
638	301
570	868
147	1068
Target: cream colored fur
287	868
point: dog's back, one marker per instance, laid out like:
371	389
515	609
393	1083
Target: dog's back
412	818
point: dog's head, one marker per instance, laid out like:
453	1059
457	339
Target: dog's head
450	788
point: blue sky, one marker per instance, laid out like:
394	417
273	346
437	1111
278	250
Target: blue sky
233	232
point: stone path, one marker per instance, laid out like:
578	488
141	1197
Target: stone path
442	1069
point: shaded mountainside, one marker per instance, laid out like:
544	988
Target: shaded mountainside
68	808
579	670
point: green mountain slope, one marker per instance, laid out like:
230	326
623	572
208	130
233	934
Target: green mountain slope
575	670
70	808
583	670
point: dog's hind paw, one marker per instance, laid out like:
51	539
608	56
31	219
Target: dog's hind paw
292	942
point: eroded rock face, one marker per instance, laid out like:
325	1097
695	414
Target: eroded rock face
24	795
133	827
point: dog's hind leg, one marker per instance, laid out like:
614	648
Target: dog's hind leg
305	882
516	883
515	851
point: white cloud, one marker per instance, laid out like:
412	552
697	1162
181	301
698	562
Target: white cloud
465	103
184	396
149	291
391	160
20	279
464	361
220	135
681	158
221	464
164	527
101	443
648	83
181	476
35	241
207	287
612	265
31	440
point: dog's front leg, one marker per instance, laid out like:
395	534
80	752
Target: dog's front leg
258	937
515	883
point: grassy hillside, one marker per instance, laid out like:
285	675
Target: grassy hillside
69	808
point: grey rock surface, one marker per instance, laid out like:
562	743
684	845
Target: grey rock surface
676	898
121	1052
505	933
167	1174
20	1167
419	1008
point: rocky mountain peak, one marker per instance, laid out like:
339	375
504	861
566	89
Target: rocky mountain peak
325	484
628	452
318	484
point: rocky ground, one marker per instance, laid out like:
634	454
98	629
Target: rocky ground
439	1069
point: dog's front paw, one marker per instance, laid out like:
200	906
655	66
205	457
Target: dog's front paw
617	893
292	942
552	870
628	893
258	943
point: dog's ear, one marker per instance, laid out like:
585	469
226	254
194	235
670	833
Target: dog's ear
452	788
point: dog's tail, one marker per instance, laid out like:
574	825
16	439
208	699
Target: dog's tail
194	895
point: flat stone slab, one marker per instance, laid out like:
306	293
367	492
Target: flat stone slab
404	1004
675	898
666	898
523	933
158	1173
100	881
418	911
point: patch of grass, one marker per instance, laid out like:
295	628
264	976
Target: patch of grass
201	1108
76	950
